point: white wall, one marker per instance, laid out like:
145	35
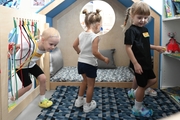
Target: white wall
156	5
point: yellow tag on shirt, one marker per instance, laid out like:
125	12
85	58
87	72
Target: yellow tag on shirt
37	54
146	34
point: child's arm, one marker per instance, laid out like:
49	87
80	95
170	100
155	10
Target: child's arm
137	66
158	48
75	46
96	52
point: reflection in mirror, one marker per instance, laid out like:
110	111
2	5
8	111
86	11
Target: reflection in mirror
107	13
20	51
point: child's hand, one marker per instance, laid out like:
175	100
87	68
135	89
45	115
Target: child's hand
106	60
138	68
12	46
17	47
160	49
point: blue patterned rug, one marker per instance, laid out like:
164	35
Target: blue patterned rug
112	104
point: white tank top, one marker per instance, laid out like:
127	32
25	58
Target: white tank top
85	45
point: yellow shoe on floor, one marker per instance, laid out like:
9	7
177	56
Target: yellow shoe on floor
45	103
11	106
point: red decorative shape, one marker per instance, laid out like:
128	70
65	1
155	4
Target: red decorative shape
172	45
10	46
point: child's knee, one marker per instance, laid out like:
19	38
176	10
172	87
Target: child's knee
42	78
28	87
154	80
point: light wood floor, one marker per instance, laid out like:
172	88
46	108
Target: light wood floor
33	110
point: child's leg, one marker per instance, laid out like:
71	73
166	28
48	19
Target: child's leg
44	103
11	102
23	75
89	84
80	100
83	86
134	84
42	84
90	89
148	90
143	82
138	109
132	91
39	74
140	91
151	82
90	104
140	94
21	92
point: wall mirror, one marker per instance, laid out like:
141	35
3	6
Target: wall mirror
107	13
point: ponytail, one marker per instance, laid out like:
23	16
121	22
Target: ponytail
126	18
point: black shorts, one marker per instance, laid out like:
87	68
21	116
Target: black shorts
142	79
24	74
89	70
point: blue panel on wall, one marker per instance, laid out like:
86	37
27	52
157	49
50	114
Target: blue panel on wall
126	3
150	27
60	8
49	20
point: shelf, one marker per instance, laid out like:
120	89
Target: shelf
173	93
173	55
172	18
178	104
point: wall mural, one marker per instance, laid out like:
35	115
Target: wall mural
10	3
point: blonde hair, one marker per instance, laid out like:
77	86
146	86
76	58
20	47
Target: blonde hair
50	32
140	8
92	17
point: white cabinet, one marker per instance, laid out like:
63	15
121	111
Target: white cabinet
170	66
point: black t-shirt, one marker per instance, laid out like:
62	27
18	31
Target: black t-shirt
138	37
